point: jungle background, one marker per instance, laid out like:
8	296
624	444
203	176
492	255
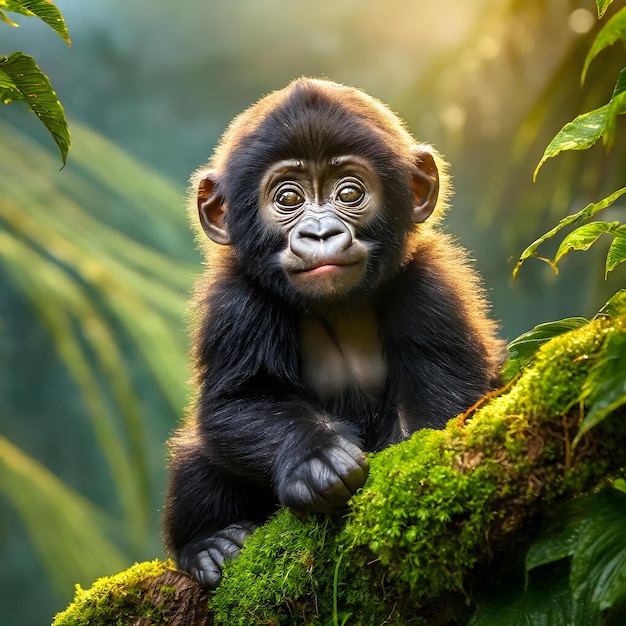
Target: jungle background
97	259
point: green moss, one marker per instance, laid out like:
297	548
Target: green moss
116	599
420	518
430	504
432	510
275	567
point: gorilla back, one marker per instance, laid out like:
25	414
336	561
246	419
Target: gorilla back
334	319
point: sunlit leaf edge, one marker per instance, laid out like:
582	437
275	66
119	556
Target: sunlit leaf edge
15	6
617	251
584	237
617	106
579	134
585	130
613	31
603	5
615	306
5	18
45	10
582	216
523	348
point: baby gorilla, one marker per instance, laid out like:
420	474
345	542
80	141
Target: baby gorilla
333	318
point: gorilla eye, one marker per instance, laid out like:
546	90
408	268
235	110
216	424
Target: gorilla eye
350	194
288	199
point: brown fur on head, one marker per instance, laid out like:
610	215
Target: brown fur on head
375	115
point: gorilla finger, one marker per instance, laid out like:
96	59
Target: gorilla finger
218	555
351	473
208	571
319	474
227	548
328	483
198	575
301	496
354	451
236	533
337	493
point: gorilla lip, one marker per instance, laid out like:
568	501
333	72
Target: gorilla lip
326	268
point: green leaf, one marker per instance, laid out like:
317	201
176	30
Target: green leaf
522	349
613	31
580	134
546	601
584	237
582	216
603	5
617	251
15	6
620	484
617	106
586	129
615	307
605	387
5	18
590	529
22	80
44	10
8	89
599	560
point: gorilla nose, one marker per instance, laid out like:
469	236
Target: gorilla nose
321	229
324	236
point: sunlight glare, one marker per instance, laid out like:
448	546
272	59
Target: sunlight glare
581	21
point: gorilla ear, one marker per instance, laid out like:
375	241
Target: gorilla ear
424	184
212	208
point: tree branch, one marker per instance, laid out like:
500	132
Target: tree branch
440	514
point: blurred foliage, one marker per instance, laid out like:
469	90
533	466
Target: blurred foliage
507	88
110	293
73	542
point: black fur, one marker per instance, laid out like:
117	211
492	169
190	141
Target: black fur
255	422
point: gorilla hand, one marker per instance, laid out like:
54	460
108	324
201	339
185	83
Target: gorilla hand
324	481
204	558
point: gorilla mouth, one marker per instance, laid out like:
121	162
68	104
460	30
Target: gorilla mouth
327	268
330	278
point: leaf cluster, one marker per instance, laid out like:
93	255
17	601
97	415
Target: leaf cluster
580	134
22	80
576	568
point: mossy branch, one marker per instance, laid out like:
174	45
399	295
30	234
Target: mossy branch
435	513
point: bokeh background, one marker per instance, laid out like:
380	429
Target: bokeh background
97	259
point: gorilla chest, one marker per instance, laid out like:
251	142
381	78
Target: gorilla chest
342	353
